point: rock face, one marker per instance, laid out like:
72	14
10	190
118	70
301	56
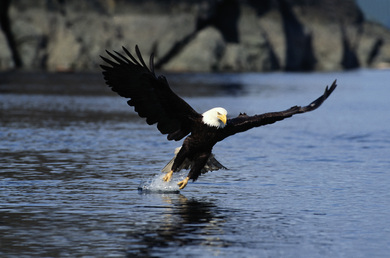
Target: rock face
201	54
195	36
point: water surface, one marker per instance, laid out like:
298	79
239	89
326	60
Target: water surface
73	154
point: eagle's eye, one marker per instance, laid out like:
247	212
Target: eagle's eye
218	113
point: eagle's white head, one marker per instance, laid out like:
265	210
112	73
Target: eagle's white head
215	117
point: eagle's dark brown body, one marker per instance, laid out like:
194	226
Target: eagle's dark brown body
197	148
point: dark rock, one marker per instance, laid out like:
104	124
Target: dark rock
223	15
271	25
299	49
349	58
374	46
6	60
31	36
5	25
254	51
202	36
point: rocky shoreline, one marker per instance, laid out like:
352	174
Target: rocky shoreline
196	36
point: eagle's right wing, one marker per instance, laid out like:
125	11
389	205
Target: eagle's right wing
244	122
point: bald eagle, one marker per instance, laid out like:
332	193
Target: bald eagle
153	99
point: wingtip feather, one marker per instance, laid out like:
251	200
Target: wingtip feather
332	87
151	63
138	52
131	56
105	59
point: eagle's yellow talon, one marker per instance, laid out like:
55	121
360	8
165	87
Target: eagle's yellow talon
168	176
183	183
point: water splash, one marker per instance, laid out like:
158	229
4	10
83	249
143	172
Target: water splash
158	185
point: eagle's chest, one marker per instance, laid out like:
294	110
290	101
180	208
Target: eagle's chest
203	138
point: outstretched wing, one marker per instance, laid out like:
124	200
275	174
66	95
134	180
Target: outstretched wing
244	122
151	96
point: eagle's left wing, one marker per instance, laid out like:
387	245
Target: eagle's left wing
151	96
244	122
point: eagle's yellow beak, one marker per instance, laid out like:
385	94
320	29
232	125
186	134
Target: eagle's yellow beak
223	118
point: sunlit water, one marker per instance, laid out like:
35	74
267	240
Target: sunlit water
72	158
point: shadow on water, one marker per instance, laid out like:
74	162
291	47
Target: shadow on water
182	222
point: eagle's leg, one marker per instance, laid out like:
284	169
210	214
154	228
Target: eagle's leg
196	169
168	176
183	183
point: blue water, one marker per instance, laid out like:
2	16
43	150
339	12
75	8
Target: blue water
316	185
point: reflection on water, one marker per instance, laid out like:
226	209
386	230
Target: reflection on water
181	222
73	154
